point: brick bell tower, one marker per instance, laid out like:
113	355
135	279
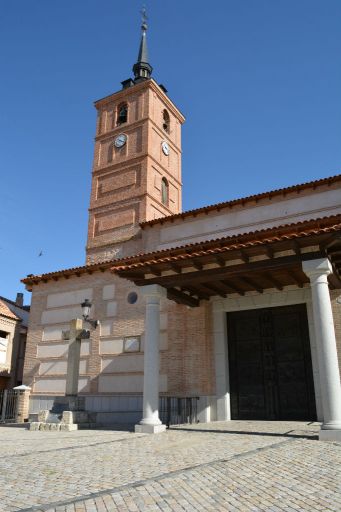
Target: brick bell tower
136	172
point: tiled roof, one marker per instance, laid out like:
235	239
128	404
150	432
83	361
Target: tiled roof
9	301
74	271
5	311
243	200
235	242
269	235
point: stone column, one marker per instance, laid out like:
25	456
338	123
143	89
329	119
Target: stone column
72	373
317	271
150	422
221	362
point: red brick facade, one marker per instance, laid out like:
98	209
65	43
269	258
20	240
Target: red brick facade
127	180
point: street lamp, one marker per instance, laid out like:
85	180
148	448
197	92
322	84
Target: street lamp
86	307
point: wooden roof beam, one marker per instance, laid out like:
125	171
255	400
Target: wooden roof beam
198	292
251	282
244	257
205	290
335	259
233	271
294	276
330	241
232	287
176	268
221	262
269	251
335	255
153	271
297	247
182	298
195	263
215	290
334	280
276	284
132	276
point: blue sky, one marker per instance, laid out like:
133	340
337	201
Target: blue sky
259	82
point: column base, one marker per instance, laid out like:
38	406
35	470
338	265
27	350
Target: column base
149	429
330	435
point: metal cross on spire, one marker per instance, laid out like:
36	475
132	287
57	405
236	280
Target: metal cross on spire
144	17
142	69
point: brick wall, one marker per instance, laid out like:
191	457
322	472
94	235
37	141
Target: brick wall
186	361
126	181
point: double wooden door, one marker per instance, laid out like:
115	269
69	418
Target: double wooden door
270	364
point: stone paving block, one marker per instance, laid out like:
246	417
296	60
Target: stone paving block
237	466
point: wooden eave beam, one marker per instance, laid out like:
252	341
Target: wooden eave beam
335	259
232	287
221	262
244	257
175	267
276	284
206	275
269	251
195	263
330	241
334	280
296	247
131	275
252	283
204	291
198	292
182	298
298	280
215	290
152	270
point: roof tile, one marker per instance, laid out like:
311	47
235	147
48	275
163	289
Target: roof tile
5	311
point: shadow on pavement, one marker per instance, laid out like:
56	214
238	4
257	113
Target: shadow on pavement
290	433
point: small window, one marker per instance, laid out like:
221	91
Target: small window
132	344
122	113
164	191
166	121
132	298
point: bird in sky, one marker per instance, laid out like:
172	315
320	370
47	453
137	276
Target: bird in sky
40	254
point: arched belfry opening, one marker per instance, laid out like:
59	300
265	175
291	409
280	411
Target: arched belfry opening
122	113
165	121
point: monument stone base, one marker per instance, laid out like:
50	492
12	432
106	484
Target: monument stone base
66	415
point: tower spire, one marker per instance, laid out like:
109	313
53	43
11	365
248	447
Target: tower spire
142	69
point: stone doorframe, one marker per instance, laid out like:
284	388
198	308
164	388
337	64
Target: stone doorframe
255	300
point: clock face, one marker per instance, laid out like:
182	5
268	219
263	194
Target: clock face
165	148
120	140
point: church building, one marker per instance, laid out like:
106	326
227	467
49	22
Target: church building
235	305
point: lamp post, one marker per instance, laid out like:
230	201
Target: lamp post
75	335
86	307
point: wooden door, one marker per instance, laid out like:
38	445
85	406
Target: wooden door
270	364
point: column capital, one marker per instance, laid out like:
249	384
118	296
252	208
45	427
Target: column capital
316	268
153	290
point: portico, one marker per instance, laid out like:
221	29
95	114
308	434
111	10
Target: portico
291	264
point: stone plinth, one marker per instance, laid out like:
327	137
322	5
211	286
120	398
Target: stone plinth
149	429
63	427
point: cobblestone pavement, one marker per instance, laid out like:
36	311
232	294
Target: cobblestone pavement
225	466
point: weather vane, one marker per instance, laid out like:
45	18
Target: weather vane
144	17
